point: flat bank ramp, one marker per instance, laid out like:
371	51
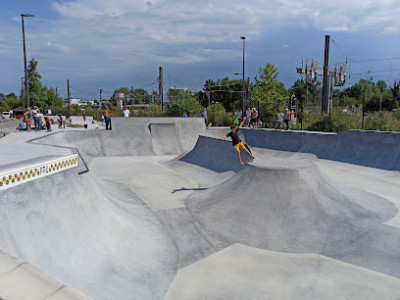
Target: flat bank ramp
366	148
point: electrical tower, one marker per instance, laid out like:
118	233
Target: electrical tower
331	76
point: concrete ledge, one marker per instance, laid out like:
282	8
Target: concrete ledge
13	176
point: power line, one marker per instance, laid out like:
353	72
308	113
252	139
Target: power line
340	49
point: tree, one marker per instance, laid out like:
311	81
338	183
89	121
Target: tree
182	101
268	93
141	96
40	95
226	91
9	102
395	94
37	93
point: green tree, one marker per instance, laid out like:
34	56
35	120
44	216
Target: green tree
268	93
52	101
9	102
141	96
37	93
182	101
226	91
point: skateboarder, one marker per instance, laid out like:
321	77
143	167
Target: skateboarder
237	143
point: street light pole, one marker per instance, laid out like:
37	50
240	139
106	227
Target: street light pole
25	68
243	104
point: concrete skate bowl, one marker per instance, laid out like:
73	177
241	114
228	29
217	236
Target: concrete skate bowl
296	210
133	137
88	233
97	234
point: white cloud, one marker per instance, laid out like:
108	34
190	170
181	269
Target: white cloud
129	36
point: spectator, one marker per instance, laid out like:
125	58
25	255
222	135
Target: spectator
36	118
107	118
279	122
126	113
248	117
254	115
28	118
184	114
204	115
287	118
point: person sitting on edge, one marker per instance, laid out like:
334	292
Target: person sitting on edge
185	114
237	143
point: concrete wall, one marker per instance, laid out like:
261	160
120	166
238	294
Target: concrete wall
134	137
366	148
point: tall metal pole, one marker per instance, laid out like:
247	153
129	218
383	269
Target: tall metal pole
243	100
326	83
161	87
69	99
25	67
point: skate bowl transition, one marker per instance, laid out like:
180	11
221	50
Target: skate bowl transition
163	210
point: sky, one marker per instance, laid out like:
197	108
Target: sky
109	44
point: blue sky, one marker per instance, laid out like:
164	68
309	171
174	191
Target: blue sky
108	44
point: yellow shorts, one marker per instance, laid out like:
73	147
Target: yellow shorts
239	146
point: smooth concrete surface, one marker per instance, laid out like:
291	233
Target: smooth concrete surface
385	184
242	272
168	188
163	209
96	236
374	149
20	280
8	126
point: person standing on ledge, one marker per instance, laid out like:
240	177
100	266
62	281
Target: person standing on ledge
287	118
237	143
204	115
107	118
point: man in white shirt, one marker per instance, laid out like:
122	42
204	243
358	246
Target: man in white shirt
279	122
126	112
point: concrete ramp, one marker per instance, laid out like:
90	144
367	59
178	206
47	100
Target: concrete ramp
164	138
295	209
133	137
214	154
96	236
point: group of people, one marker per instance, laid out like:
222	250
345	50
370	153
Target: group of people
251	118
34	115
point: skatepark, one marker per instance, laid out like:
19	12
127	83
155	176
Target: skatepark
159	208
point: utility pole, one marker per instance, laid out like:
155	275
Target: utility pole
25	67
57	92
326	81
161	87
101	91
243	99
22	91
69	99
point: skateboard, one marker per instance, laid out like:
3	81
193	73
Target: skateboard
247	162
248	148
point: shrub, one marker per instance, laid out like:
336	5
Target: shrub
218	116
382	120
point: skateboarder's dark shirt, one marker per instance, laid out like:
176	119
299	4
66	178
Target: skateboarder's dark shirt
235	137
